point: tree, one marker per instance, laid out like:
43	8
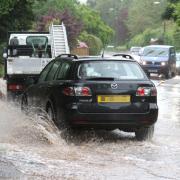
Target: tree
93	24
15	15
41	9
145	14
115	14
73	25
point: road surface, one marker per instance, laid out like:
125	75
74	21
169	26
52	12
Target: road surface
32	148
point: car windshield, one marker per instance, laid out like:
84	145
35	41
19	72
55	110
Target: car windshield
155	52
110	70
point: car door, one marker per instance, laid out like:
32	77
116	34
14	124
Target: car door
33	91
47	85
61	80
40	91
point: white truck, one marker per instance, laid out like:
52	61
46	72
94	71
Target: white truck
27	53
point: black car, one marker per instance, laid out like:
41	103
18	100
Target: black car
99	92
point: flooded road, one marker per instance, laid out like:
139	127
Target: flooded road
32	148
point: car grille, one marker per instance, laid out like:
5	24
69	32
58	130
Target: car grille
153	63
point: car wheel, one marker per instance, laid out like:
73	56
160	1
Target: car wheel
144	133
60	119
50	112
174	74
168	75
24	104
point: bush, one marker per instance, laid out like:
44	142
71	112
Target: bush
176	37
1	70
94	43
144	38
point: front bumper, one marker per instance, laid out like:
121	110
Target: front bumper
156	69
113	120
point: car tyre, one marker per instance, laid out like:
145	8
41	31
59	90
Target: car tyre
50	112
68	132
144	133
60	119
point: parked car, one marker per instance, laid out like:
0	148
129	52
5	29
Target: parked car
105	93
178	63
135	50
159	59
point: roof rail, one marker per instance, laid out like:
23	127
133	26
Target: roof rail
127	56
68	55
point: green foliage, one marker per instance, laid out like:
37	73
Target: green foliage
176	13
1	70
94	43
172	10
144	38
2	45
15	15
176	37
115	14
145	14
93	24
91	20
6	6
41	9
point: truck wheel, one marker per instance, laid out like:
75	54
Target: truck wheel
168	75
24	105
10	96
148	74
144	133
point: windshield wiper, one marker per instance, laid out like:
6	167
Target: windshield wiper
150	52
101	78
162	52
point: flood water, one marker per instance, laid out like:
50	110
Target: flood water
31	147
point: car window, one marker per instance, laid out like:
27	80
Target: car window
155	52
53	71
45	72
63	70
110	69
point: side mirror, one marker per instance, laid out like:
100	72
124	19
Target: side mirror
31	80
5	55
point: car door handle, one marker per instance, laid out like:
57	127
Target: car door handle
49	85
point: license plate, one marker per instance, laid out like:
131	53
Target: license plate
153	70
113	99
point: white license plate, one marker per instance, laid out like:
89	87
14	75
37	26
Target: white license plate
153	70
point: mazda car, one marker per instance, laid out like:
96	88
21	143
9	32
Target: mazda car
96	93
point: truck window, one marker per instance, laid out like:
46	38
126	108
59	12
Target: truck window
36	40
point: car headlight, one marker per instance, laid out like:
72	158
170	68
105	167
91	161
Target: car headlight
163	63
144	63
